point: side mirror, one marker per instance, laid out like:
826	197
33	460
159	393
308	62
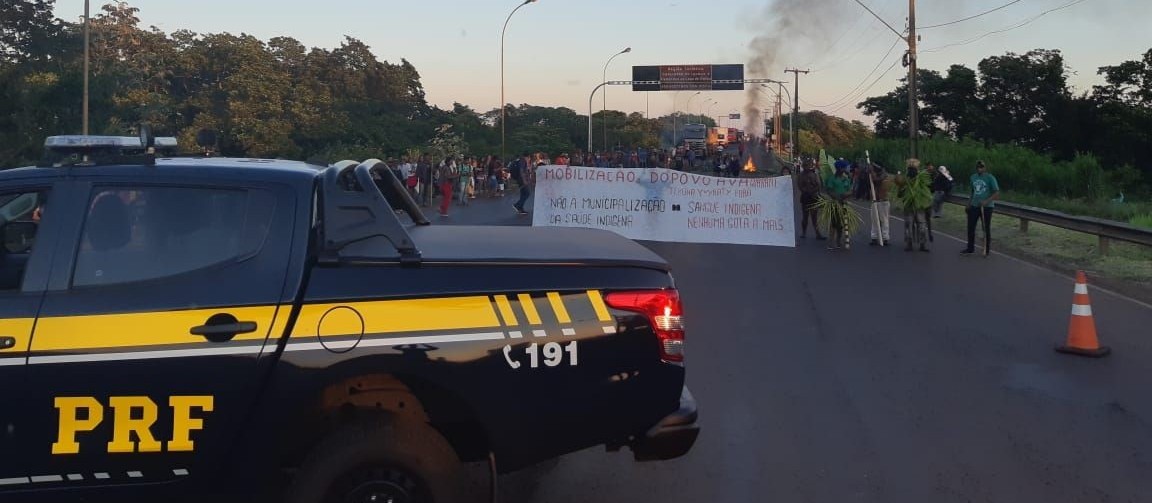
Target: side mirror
19	236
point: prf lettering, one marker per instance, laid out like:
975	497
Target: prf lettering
132	420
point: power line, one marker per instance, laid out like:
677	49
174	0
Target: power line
828	50
1009	4
1010	28
865	91
862	81
861	48
877	16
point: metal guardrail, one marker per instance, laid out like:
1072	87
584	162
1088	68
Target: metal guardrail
1106	230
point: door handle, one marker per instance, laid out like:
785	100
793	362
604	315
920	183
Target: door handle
7	342
223	327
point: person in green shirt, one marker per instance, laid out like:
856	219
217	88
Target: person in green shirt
839	187
985	192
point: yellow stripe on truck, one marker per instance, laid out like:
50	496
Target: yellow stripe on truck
506	310
529	307
558	308
392	316
63	333
598	304
19	329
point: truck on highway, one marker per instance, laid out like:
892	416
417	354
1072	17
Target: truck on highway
195	326
717	138
695	137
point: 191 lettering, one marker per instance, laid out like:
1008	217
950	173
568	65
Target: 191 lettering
551	355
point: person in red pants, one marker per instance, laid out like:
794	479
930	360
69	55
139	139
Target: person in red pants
449	176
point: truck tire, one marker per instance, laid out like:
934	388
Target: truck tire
382	459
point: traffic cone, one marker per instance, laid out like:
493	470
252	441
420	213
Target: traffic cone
1082	327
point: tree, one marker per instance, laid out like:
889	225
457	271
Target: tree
1020	94
1125	118
26	27
891	110
953	101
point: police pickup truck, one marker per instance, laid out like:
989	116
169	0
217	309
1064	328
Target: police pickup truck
181	326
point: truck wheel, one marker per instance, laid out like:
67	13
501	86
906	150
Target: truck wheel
381	460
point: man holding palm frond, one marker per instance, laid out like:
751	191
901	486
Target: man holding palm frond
841	225
914	197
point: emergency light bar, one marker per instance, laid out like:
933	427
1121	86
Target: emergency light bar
82	141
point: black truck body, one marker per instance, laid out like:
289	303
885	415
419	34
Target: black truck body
200	325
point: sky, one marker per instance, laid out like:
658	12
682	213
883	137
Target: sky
555	50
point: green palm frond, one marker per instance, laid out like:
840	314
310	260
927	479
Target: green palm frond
915	194
829	210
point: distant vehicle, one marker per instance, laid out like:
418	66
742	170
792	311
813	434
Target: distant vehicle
717	138
695	136
735	135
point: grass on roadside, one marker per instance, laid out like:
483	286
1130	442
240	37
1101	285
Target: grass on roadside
1058	247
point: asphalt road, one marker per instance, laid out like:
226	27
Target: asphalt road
878	375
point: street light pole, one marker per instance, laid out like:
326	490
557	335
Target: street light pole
590	98
689	107
604	94
86	43
503	116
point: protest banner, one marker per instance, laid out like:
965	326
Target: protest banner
666	205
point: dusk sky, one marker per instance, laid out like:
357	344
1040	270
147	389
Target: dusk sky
556	49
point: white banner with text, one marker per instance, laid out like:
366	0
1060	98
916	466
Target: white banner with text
667	205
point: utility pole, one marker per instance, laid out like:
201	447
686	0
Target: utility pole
913	86
910	62
795	108
776	123
86	44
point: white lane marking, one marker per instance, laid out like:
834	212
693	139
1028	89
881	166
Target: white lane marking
180	471
46	478
135	475
243	350
515	334
569	331
539	333
102	476
398	341
964	241
609	330
1079	310
1080	289
75	476
5	362
143	355
14	481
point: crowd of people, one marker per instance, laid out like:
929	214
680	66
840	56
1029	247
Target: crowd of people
456	180
919	194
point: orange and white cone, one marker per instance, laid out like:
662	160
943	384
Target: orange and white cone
1082	339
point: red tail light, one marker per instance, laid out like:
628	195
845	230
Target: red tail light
664	312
